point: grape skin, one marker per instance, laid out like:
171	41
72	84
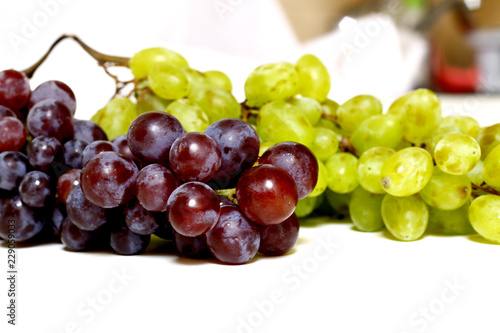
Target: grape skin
13	166
484	215
491	168
457	154
353	112
405	217
56	90
370	164
314	79
83	213
342	175
51	118
15	89
28	222
365	209
43	151
155	184
36	189
446	192
278	239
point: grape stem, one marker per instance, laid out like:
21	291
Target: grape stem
485	189
230	193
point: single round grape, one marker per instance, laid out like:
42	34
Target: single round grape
143	61
278	239
126	242
122	143
36	189
314	79
196	78
75	238
309	107
233	239
377	131
66	182
491	168
12	134
298	161
87	130
488	138
440	133
398	107
450	222
43	151
340	202
192	247
168	81
468	125
266	194
151	136
305	206
484	216
56	90
365	209
97	147
195	157
6	112
13	166
116	117
193	209
353	112
141	221
108	180
457	154
322	183
73	152
15	89
155	184
342	174
325	143
476	175
219	79
216	102
405	217
192	117
406	172
369	166
83	213
50	118
27	222
445	191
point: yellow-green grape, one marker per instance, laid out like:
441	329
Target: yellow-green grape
168	82
476	175
398	108
352	113
148	101
314	79
457	154
329	108
450	222
325	143
488	138
196	78
309	107
445	191
342	175
325	123
271	82
403	144
365	209
440	133
405	217
305	206
116	117
406	172
191	116
339	201
484	215
216	102
369	165
377	131
422	116
322	183
143	61
468	125
491	168
219	79
281	121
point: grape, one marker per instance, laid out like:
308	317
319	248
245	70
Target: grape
109	179
305	206
165	231
143	61
278	239
457	154
365	210
58	215
309	107
122	143
66	183
233	239
325	143
219	79
468	125
406	172
43	151
488	138
6	112
192	247
450	222
12	134
168	82
352	113
155	184
445	191
329	108
476	175
377	131
491	168
266	194
314	79
151	135
398	108
50	118
116	116
140	220
87	130
298	161
56	90
97	147
195	157
369	166
75	238
73	151
271	82
126	242
13	167
216	102
14	89
193	209
342	174
192	117
27	222
340	202
148	101
264	146
439	134
196	78
36	189
405	217
484	215
83	213
322	183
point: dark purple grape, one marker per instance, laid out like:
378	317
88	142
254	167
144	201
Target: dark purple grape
6	112
193	208
50	118
195	157
73	152
74	238
97	147
58	215
151	135
155	184
66	183
266	194
122	143
36	189
54	90
13	166
88	131
278	239
84	213
141	221
234	239
12	134
298	161
126	242
14	89
165	231
239	145
43	151
109	179
192	247
15	215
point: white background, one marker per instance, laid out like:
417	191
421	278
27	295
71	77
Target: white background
335	280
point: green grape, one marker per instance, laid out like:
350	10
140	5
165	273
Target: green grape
484	215
325	143
314	79
405	217
457	154
325	123
398	108
342	175
406	172
320	199
143	61
377	131
191	116
196	78
168	82
305	206
329	108
281	121
488	138
491	168
271	82
440	133
476	175
352	113
265	146
309	108
445	191
116	117
468	125
450	222
148	101
322	183
365	209
369	165
216	102
219	79
403	144
339	201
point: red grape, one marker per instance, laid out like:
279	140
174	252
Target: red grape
54	90
192	247
87	130
12	134
73	151
66	182
83	213
36	189
28	222
50	118
126	242
13	166
43	151
155	184
97	147
141	221
278	239
14	89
